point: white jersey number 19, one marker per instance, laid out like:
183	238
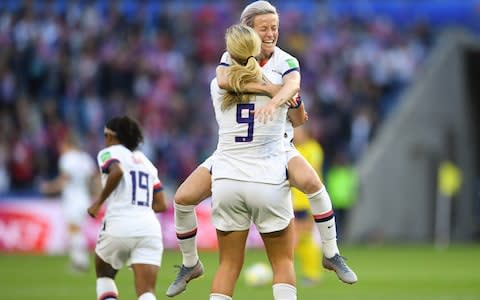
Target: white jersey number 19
140	180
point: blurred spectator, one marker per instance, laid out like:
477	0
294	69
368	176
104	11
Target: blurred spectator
4	174
77	63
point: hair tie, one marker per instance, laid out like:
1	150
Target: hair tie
246	61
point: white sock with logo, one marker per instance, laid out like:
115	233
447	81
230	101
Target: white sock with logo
324	217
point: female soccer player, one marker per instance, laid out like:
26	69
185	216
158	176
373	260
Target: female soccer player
263	18
130	233
78	175
249	174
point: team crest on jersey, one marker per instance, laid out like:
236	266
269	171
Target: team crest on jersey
105	156
292	63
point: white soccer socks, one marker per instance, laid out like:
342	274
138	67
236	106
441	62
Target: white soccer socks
284	291
106	289
147	296
186	229
325	220
215	296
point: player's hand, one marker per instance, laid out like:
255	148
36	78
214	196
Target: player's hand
265	113
292	102
93	210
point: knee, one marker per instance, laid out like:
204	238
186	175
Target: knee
283	266
181	197
103	269
190	196
187	197
310	184
233	268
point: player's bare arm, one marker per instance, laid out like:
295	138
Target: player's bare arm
289	89
263	87
54	186
159	202
114	176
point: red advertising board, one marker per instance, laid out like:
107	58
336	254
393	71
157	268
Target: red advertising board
38	225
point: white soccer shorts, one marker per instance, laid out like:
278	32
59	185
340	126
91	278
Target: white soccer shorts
291	151
120	251
75	210
235	204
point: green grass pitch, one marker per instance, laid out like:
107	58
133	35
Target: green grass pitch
385	272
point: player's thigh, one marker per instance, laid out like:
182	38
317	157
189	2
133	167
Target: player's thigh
231	247
145	277
104	269
196	188
270	206
279	245
302	176
303	221
229	210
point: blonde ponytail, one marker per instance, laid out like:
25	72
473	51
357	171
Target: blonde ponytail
243	45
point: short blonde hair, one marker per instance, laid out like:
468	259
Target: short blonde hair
243	44
255	9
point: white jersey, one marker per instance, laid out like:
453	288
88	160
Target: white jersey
280	64
129	207
248	150
79	167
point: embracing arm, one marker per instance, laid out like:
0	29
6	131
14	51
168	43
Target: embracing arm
114	176
291	86
264	88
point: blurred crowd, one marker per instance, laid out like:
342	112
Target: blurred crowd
71	65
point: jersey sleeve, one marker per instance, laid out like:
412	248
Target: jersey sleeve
157	183
106	158
289	64
226	60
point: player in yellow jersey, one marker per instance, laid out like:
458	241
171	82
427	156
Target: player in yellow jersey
307	250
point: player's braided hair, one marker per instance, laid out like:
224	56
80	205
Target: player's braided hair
127	131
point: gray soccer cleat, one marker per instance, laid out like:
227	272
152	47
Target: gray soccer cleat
337	263
185	274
